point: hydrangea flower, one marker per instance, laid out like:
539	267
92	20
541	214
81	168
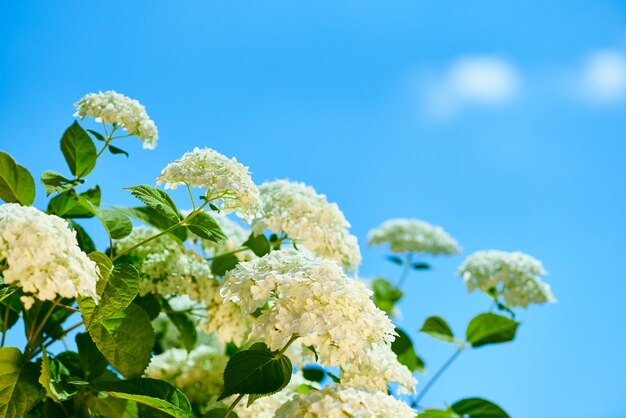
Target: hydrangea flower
312	298
226	180
42	257
514	275
114	108
343	401
306	216
413	235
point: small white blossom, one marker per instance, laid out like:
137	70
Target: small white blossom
312	298
514	275
342	401
308	217
114	108
41	255
226	180
413	235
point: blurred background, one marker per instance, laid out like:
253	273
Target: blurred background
501	121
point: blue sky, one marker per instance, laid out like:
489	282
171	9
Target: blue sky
501	121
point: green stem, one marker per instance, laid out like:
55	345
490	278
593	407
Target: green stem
233	405
291	340
5	324
406	270
33	336
37	350
228	253
436	376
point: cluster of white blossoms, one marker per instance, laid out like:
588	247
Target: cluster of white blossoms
114	108
308	217
344	401
41	256
514	275
226	181
311	298
267	406
197	373
413	235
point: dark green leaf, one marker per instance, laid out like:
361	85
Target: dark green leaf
54	182
97	135
395	259
54	378
258	244
256	371
333	377
79	150
385	295
69	204
158	200
219	413
154	393
91	360
438	328
186	327
489	328
16	183
152	217
314	374
149	304
478	408
10	307
223	263
204	226
420	266
116	150
116	223
437	413
84	240
403	347
19	381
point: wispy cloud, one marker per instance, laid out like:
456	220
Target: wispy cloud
603	77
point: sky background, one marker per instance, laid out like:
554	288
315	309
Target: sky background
501	121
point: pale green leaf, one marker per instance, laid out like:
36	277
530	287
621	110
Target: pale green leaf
20	389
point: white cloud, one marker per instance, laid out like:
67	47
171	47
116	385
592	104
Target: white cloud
472	81
603	78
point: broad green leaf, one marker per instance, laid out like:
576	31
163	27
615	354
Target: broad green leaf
158	200
258	244
204	226
69	204
437	413
116	223
222	263
186	327
16	183
385	295
149	304
101	405
91	360
489	328
478	408
84	240
256	372
219	413
403	347
313	373
154	393
19	384
116	150
438	328
125	340
54	378
54	182
395	259
152	217
79	150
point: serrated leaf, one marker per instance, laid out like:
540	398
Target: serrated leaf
154	393
69	204
256	372
489	328
158	200
116	223
54	182
116	150
223	263
152	217
204	226
91	360
478	408
125	340
16	183
79	150
258	243
19	384
438	328
403	347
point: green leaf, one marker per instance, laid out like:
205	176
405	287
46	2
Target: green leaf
403	347
16	183
395	259
54	182
19	384
219	413
478	408
154	393
69	204
116	223
97	135
489	328
204	226
149	304
91	360
186	327
385	295
223	263
125	340
437	413
314	374
158	200
256	372
79	150
258	244
84	240
10	302
116	150
438	328
420	266
334	378
101	405
54	378
152	217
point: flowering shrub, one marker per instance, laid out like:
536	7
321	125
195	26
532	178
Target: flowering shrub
190	313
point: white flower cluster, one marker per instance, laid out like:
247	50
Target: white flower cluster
307	217
266	407
342	401
114	108
312	298
514	275
197	373
226	180
413	235
42	256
